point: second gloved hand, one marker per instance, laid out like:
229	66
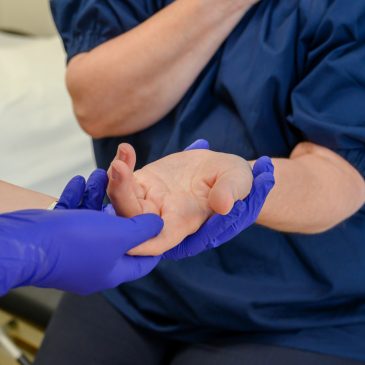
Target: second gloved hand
220	229
81	194
80	251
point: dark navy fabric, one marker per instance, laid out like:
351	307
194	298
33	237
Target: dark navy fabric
292	70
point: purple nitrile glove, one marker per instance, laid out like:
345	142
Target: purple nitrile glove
199	144
80	195
81	251
220	229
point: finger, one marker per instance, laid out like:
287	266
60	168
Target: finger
200	144
262	186
263	164
72	194
122	191
228	188
131	268
135	231
169	237
95	190
127	154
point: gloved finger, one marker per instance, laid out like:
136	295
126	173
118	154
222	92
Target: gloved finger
72	194
250	208
263	164
206	236
220	229
131	268
109	209
170	236
122	191
262	186
134	231
95	190
200	144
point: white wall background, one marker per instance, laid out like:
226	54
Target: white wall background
41	144
28	16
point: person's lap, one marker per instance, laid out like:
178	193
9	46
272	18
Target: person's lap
252	354
88	330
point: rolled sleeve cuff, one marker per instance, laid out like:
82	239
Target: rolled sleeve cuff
84	43
356	158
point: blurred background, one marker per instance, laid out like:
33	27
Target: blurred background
41	145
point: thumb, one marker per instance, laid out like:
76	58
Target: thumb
139	229
229	188
130	268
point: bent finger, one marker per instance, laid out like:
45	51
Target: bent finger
72	194
228	188
263	164
95	190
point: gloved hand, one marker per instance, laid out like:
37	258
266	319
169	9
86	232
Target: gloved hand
220	229
79	194
80	251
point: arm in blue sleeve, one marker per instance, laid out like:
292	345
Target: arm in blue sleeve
328	103
85	24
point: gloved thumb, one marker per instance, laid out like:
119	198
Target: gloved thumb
140	229
130	268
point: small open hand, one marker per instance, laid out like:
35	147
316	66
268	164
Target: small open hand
184	188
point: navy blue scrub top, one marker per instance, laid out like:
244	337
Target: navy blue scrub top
292	70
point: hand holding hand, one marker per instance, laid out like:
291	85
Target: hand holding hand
220	229
80	251
185	189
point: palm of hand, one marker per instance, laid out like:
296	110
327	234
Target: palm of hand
185	189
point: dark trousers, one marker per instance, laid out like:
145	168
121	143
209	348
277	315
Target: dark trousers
88	330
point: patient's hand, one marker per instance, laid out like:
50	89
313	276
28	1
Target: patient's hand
184	188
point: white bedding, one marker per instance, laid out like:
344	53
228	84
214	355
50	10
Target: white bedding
41	145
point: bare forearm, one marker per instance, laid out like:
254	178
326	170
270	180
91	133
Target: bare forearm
315	190
130	82
14	198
